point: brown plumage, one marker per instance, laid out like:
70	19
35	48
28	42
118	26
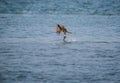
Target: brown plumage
61	29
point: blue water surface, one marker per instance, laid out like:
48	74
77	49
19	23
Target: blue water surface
31	52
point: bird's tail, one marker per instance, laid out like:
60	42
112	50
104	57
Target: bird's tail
69	32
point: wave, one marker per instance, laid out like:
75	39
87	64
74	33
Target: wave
49	41
87	7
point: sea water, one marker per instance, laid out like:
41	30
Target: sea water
31	52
